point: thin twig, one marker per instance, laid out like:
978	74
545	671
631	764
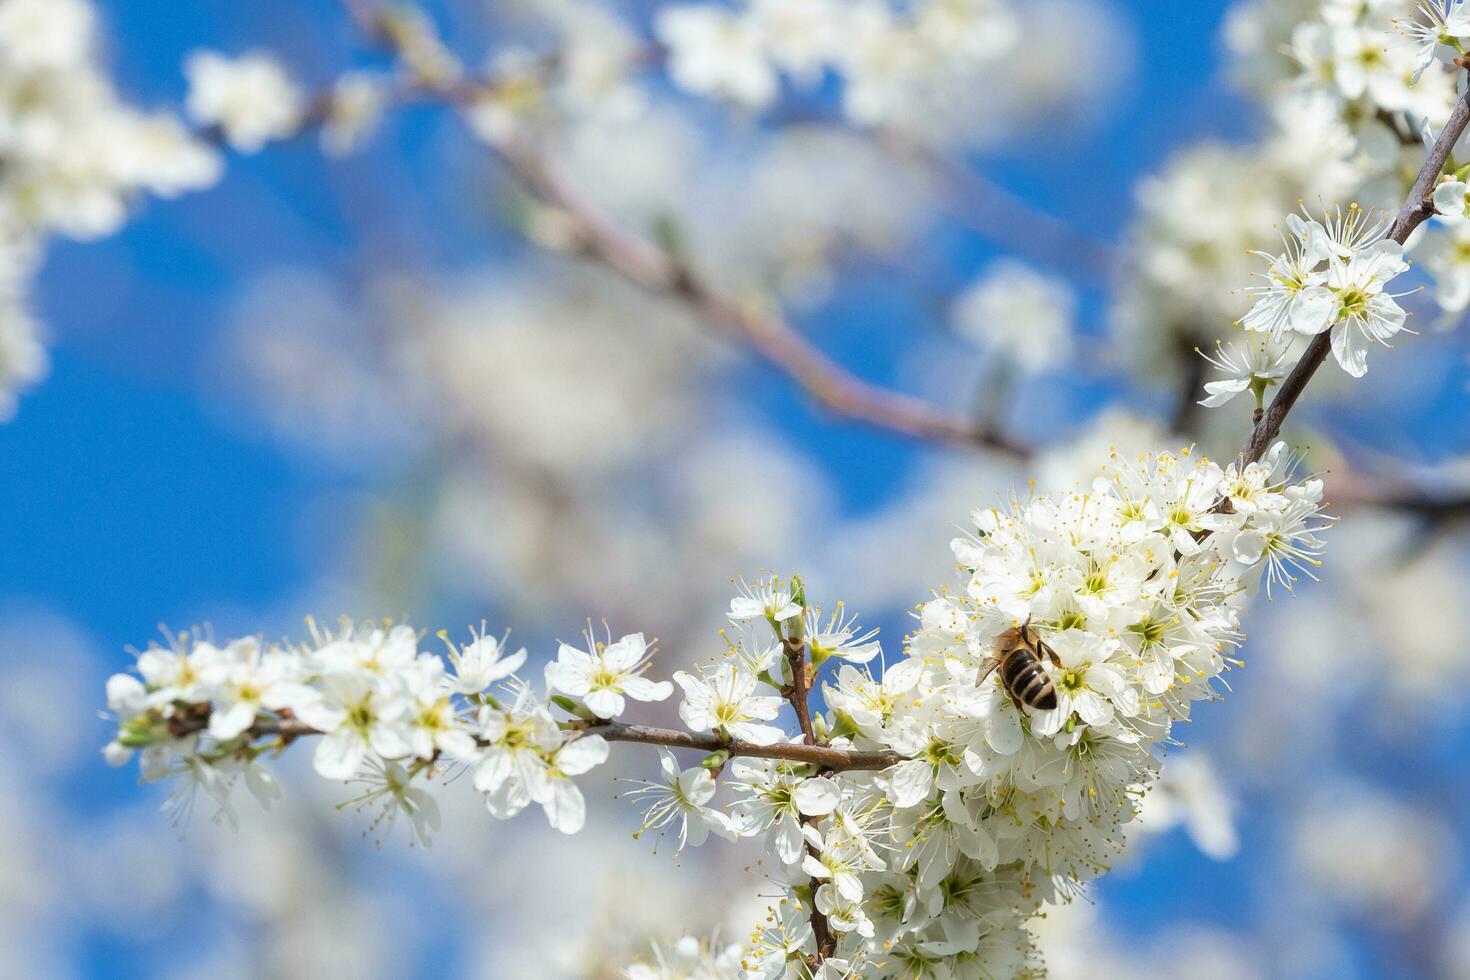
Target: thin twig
1434	506
1417	208
1006	218
826	757
646	264
799	693
763	329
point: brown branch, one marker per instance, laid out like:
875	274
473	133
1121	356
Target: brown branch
799	693
764	330
823	756
1417	208
826	757
1187	409
196	719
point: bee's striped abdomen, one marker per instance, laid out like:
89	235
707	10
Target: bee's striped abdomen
1026	679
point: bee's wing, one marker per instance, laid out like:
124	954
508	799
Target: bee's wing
990	664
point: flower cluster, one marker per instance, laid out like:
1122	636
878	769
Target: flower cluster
1024	317
1387	72
689	959
915	821
386	713
1365	65
1348	102
1331	277
75	160
250	99
890	57
1133	588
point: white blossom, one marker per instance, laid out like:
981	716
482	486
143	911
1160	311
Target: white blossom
359	715
250	98
1332	277
689	959
766	599
1024	316
1446	254
1255	365
717	52
681	796
1437	32
389	786
724	699
482	662
605	675
245	679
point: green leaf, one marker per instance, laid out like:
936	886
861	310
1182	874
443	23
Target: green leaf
575	707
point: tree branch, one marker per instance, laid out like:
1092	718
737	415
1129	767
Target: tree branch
1416	209
798	694
766	331
1436	506
823	756
647	265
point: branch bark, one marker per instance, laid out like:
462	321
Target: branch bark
799	694
826	757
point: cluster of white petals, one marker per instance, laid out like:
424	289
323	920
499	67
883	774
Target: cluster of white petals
890	57
934	866
1023	316
688	959
76	158
250	99
387	713
1331	277
931	861
1351	93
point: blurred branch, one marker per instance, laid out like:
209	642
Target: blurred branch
1006	218
1433	506
1417	208
996	214
765	330
1187	408
760	326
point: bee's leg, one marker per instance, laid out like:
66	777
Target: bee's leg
1050	653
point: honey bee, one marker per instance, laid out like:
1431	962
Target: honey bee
1018	655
